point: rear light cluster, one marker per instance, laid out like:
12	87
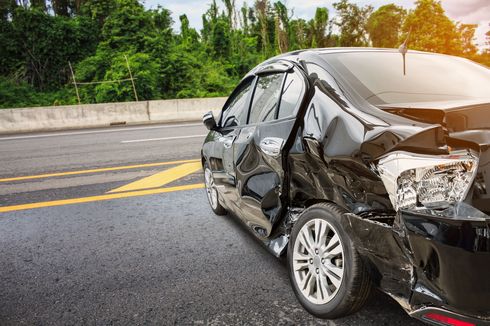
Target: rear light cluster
445	320
427	181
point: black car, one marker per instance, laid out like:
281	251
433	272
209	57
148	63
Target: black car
367	168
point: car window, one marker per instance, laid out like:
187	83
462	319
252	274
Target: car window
235	114
291	95
266	98
378	77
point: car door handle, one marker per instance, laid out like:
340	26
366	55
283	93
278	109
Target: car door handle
272	146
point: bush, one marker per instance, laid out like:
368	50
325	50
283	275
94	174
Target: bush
17	95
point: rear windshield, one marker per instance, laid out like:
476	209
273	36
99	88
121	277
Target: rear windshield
378	77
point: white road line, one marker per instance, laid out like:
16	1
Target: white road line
165	138
97	131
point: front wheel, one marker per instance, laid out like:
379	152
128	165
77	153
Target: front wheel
212	192
326	272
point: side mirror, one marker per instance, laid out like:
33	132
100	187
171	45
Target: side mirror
209	121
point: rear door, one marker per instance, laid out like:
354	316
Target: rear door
258	150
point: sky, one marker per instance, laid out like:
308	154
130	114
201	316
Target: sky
465	11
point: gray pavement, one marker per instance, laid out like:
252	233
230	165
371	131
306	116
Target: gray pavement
161	259
72	150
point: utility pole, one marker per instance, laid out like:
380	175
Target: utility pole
74	83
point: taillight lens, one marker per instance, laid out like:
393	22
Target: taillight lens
446	320
414	180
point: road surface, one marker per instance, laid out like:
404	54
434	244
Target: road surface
111	226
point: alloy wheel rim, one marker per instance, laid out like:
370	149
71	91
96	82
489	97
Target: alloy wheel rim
210	188
318	261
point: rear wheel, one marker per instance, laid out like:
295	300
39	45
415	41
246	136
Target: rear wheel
212	192
326	272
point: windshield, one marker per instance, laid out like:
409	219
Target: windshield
378	77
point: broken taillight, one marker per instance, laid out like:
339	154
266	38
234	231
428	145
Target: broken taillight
446	320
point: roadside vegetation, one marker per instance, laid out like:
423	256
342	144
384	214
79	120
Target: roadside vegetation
38	39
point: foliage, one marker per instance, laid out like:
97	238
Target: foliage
384	26
352	21
39	46
38	38
467	32
143	69
431	30
24	95
98	10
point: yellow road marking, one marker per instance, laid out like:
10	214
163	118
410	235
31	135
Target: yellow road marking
161	178
117	168
98	198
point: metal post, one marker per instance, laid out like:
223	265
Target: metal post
74	83
131	77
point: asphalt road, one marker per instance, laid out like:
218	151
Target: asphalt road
76	248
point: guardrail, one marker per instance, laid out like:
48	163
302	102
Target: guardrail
106	114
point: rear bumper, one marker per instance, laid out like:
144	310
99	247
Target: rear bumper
427	261
451	260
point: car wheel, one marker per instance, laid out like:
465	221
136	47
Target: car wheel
212	192
326	272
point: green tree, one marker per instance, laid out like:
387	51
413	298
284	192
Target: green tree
384	26
220	38
300	37
98	10
145	36
282	30
8	48
352	21
244	18
43	45
431	29
262	9
127	27
320	25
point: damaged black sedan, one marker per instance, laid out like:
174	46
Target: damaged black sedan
367	168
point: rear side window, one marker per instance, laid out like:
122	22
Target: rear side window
291	95
236	112
266	98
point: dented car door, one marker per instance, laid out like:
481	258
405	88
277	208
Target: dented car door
261	146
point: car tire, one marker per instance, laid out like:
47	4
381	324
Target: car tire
212	192
338	296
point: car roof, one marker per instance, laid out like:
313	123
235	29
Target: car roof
345	50
293	55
